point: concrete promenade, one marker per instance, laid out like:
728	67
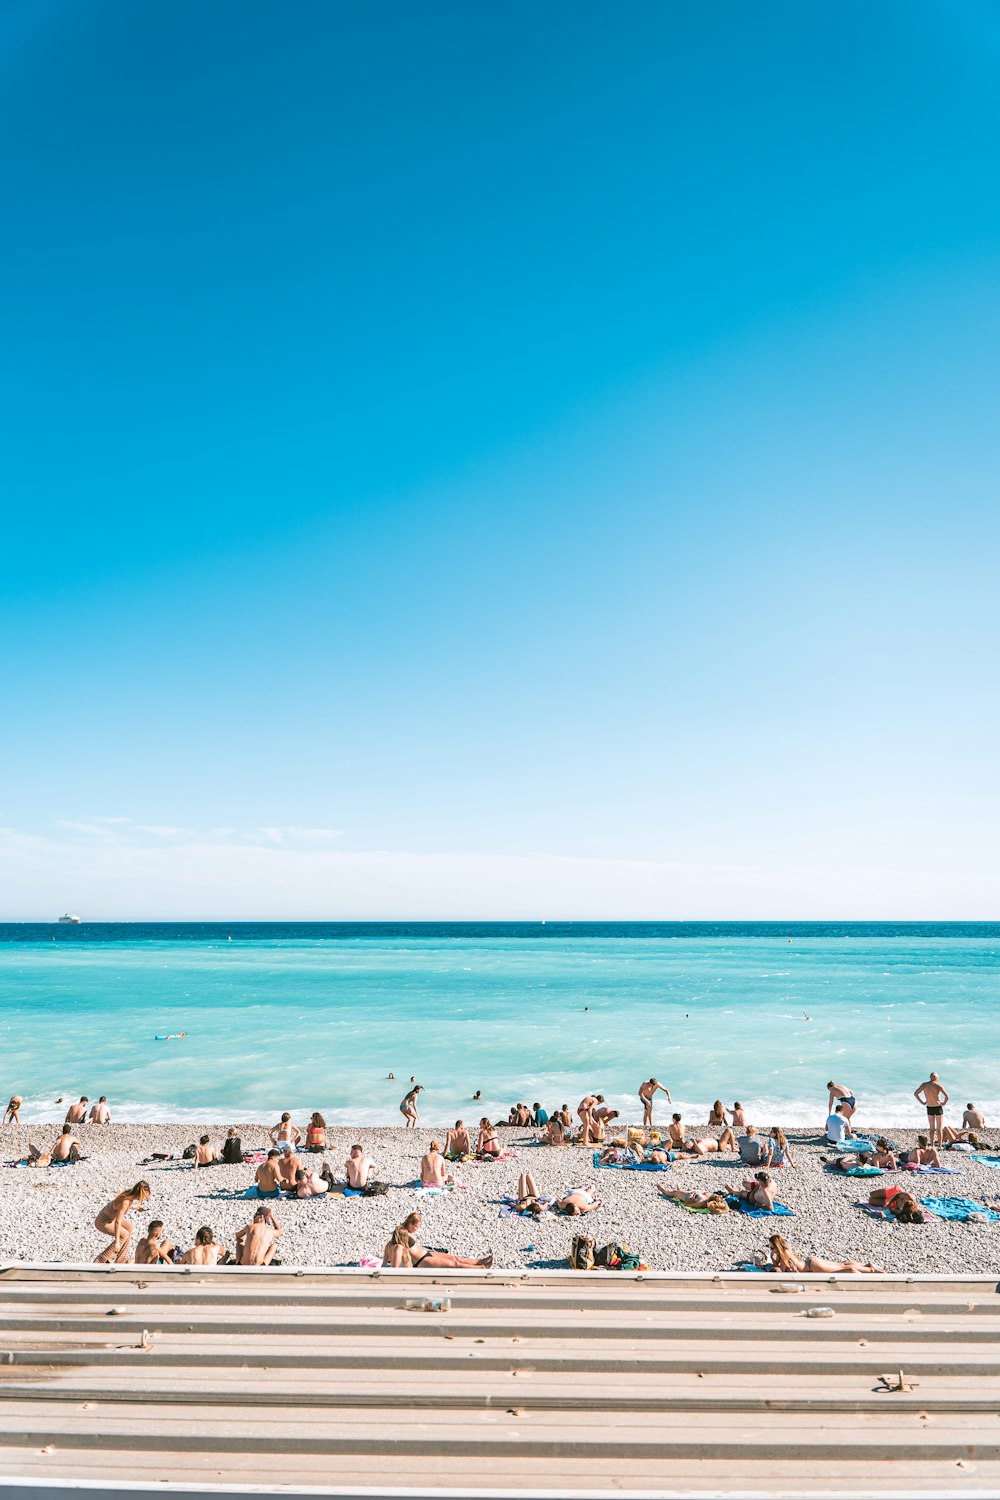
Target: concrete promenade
531	1383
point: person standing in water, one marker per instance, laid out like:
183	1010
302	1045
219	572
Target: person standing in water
408	1108
933	1096
647	1091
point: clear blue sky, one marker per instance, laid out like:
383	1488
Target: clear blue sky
472	460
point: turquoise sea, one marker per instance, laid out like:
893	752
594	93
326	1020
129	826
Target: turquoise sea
307	1016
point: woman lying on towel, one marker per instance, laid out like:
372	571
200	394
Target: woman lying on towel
713	1203
901	1204
784	1258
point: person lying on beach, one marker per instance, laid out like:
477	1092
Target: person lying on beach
714	1202
404	1249
206	1154
901	1204
853	1160
647	1093
884	1156
554	1133
717	1114
780	1151
257	1241
408	1107
933	1096
784	1258
923	1154
841	1095
973	1118
528	1198
206	1250
707	1144
77	1113
579	1201
458	1142
952	1137
659	1156
736	1116
100	1114
153	1249
487	1144
360	1169
754	1152
312	1184
113	1221
12	1114
267	1176
433	1169
316	1133
757	1191
838	1126
285	1136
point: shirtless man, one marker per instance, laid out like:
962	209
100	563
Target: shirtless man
206	1154
285	1136
647	1091
736	1116
66	1148
101	1114
360	1169
77	1113
312	1184
154	1250
256	1242
288	1166
433	1172
579	1201
933	1097
973	1118
707	1144
206	1251
458	1142
267	1176
923	1154
841	1095
408	1107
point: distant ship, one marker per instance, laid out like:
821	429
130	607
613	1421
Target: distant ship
68	918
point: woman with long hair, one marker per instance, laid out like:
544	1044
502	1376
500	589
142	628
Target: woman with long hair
902	1205
316	1133
113	1220
419	1255
784	1258
487	1144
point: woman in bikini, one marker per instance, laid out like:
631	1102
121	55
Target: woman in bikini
714	1202
901	1204
756	1191
884	1157
316	1133
113	1221
419	1255
13	1112
718	1113
487	1144
784	1258
408	1108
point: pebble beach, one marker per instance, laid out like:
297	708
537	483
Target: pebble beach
48	1213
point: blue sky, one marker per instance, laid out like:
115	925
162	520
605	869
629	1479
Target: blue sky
499	460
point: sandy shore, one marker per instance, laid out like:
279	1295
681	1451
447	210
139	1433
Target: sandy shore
49	1214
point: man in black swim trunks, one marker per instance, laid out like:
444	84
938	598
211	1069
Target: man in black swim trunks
842	1096
933	1096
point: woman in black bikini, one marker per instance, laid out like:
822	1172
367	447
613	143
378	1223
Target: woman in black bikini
403	1250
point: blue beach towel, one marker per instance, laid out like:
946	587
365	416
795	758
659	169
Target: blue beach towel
959	1209
862	1143
751	1212
987	1161
630	1166
954	1171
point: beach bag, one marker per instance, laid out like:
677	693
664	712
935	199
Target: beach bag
376	1190
582	1253
189	1153
616	1257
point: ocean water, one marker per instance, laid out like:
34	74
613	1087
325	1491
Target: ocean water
314	1016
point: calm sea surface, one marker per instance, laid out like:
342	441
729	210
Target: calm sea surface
307	1016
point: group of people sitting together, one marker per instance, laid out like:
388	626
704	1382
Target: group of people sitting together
255	1243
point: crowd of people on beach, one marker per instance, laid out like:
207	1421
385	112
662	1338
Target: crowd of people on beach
281	1172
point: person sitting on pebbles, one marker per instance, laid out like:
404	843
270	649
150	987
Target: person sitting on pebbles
153	1249
206	1250
433	1168
756	1191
